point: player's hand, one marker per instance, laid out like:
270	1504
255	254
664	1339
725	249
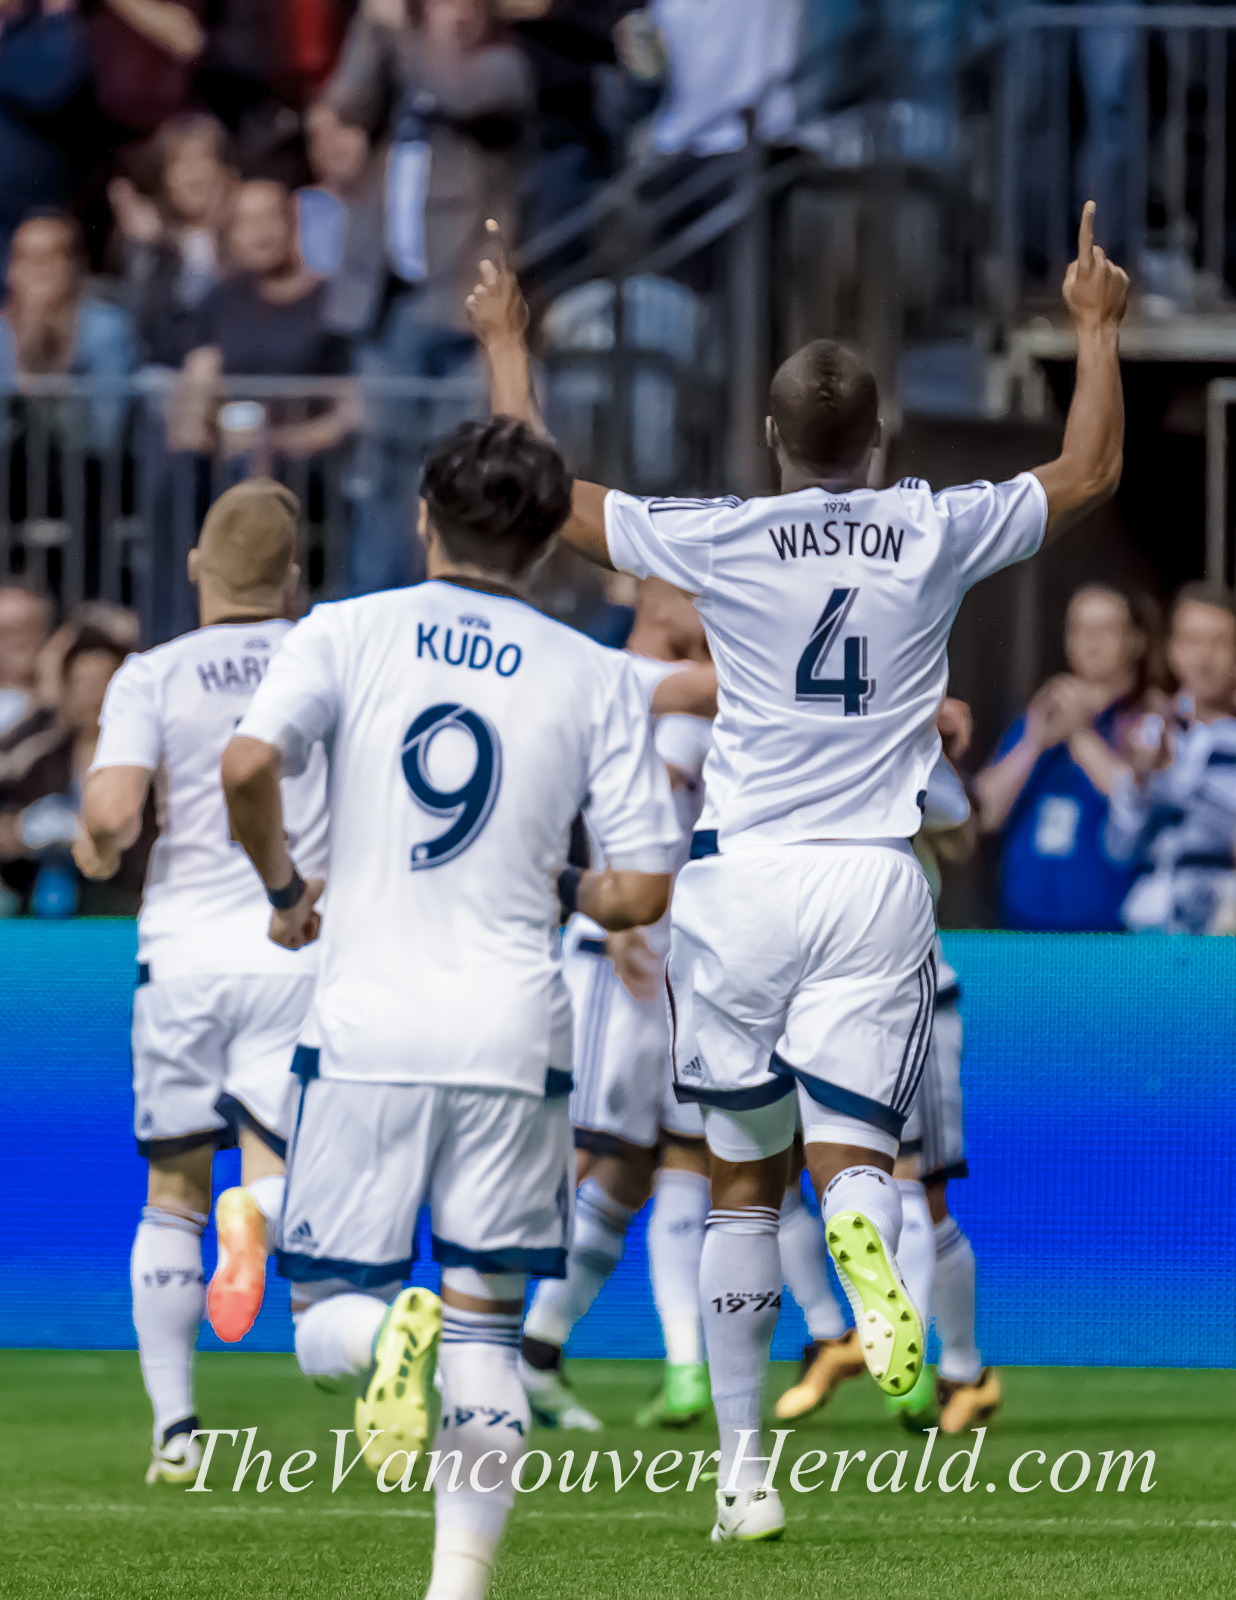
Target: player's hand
955	726
496	308
92	862
301	925
1096	291
635	964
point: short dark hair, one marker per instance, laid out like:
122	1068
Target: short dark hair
825	405
496	493
1216	595
93	642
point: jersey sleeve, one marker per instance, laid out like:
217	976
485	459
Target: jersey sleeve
988	526
683	741
947	804
630	807
670	539
130	730
297	703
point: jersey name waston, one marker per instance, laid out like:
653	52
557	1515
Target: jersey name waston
855	538
235	677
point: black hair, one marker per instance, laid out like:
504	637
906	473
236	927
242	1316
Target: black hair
93	642
825	406
496	493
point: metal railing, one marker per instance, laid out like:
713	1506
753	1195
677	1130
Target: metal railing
1126	104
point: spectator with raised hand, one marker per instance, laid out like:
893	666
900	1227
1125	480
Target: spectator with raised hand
173	242
43	61
52	325
1173	812
267	319
1047	788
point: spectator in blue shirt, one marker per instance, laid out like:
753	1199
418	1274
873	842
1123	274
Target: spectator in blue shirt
42	62
1047	788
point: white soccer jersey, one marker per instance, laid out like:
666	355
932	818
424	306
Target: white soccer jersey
828	617
466	731
173	710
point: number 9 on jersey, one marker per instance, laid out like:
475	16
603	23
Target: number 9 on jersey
468	805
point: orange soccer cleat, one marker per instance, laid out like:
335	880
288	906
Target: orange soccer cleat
827	1364
965	1405
234	1297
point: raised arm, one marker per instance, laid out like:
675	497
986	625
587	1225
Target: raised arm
1087	470
499	317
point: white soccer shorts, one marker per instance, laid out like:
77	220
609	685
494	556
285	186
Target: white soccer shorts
620	1050
810	964
495	1168
211	1054
934	1128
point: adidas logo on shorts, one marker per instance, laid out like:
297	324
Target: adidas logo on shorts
301	1234
694	1068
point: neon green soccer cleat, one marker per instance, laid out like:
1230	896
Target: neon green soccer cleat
890	1332
394	1394
915	1411
684	1398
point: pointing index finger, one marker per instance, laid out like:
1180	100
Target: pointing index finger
1085	236
497	245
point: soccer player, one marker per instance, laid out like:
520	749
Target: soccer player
802	976
621	1030
218	1008
467	731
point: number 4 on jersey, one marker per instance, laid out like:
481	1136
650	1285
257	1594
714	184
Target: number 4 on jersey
855	689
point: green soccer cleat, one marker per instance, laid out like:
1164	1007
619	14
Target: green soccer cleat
393	1396
915	1411
890	1332
684	1398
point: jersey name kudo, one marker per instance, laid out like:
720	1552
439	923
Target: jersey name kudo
828	616
173	709
466	731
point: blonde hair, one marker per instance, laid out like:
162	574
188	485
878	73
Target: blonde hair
248	540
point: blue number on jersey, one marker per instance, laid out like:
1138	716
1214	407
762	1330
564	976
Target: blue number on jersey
469	806
855	688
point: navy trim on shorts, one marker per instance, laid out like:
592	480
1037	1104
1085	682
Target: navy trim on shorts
1206	860
239	1116
909	1147
845	1101
558	1084
955	1169
592	947
762	1094
305	1062
164	1149
143	973
549	1262
364	1274
948	996
704	843
600	1143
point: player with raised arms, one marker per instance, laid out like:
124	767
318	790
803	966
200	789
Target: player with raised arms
801	969
218	1008
467	730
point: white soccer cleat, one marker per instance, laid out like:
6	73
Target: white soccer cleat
748	1515
552	1403
177	1461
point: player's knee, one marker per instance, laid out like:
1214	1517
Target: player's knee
181	1183
462	1285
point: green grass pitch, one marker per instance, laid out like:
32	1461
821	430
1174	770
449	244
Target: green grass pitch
76	1519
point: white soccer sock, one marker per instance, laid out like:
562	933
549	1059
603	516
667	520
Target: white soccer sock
916	1253
870	1191
675	1240
169	1299
960	1360
740	1261
268	1192
804	1263
485	1419
335	1336
598	1234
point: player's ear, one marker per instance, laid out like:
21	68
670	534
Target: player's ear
194	566
771	437
422	523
